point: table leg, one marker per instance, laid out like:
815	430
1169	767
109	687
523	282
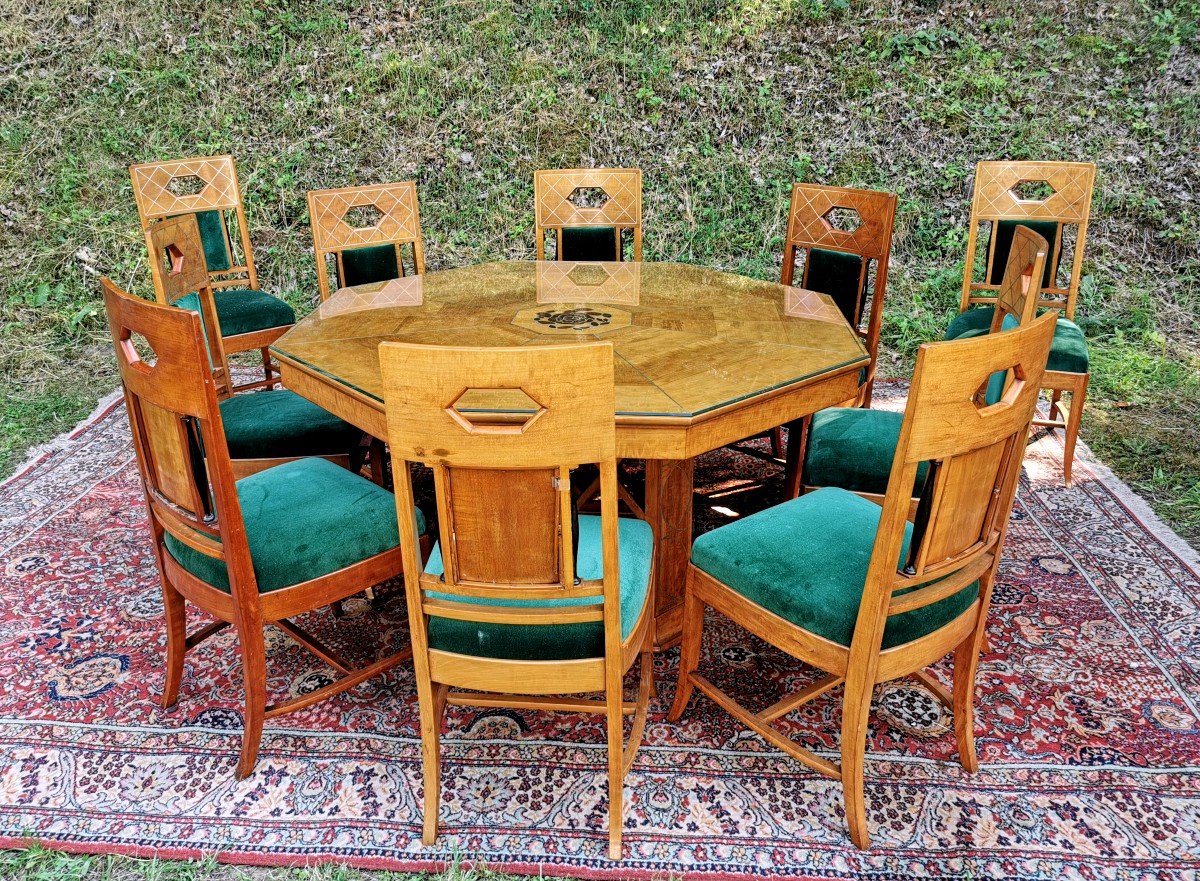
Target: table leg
669	512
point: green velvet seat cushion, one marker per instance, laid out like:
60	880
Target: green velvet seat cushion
589	243
1047	229
806	561
837	275
278	423
556	642
367	265
241	310
853	448
1068	351
304	519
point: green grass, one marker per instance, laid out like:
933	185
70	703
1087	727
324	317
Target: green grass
722	104
41	864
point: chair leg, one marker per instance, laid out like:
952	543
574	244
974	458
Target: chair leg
254	677
966	664
777	442
1074	420
176	615
616	759
431	701
689	652
794	468
856	710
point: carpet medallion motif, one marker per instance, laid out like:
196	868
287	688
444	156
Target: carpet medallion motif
1087	716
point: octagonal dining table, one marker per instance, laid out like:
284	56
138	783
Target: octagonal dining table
702	359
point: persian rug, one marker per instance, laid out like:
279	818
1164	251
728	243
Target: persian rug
1088	716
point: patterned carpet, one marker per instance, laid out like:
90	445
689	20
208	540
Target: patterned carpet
1088	718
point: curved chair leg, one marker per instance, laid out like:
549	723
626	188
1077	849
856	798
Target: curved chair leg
856	710
966	665
689	652
254	676
176	615
1074	420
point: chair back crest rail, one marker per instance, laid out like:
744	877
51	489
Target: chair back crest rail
503	486
975	451
554	210
810	225
1019	291
217	194
1065	201
398	223
177	431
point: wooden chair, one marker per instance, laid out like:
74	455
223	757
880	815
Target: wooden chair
207	187
853	448
858	592
367	249
516	605
268	427
842	233
1051	198
583	231
264	549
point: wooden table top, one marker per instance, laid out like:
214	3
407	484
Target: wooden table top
688	341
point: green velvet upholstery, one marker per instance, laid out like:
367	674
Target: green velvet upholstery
557	642
214	239
277	423
806	561
241	310
1047	229
853	448
837	275
367	265
1068	351
304	519
592	243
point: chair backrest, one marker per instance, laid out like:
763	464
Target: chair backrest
177	432
1018	292
843	233
974	449
1051	198
587	209
206	187
364	231
502	481
179	271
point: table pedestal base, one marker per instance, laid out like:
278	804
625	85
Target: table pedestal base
669	512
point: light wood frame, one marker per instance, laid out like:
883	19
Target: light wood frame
554	211
173	408
504	516
994	200
177	264
221	193
976	452
399	224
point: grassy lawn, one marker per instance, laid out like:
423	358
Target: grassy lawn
39	864
722	104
